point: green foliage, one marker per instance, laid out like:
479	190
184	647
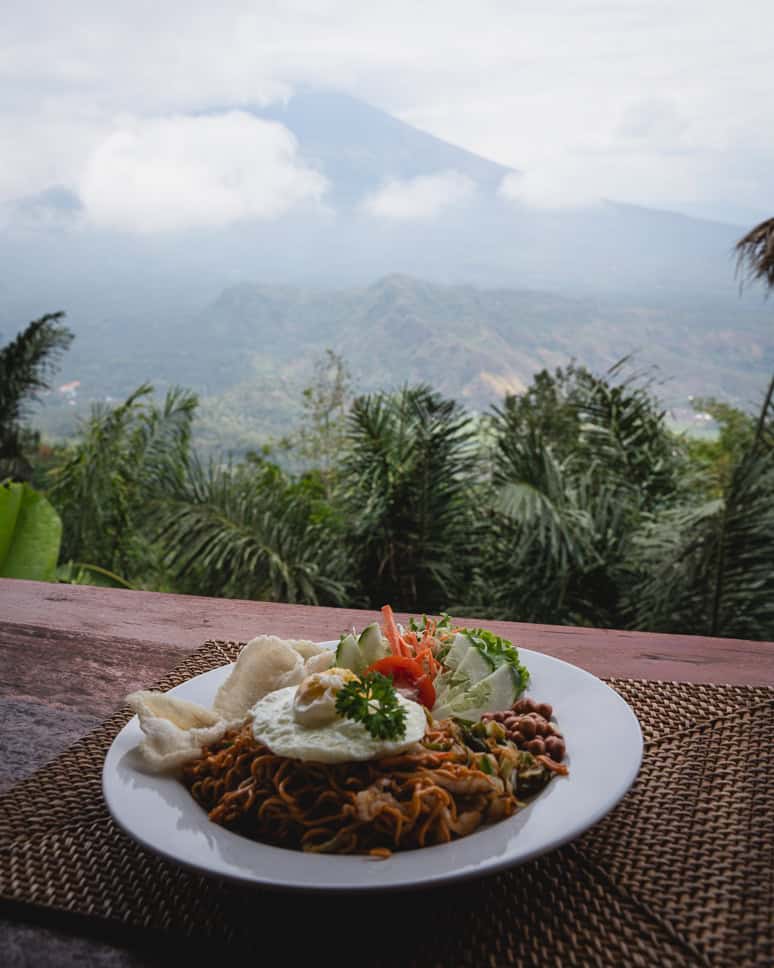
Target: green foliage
548	410
373	701
623	431
406	480
717	458
708	569
322	433
554	536
576	462
30	533
26	364
104	487
613	421
248	532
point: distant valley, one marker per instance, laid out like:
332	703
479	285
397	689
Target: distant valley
251	351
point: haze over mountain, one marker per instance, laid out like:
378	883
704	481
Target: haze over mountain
353	196
378	196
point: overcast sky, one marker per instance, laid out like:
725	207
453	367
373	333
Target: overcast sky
649	101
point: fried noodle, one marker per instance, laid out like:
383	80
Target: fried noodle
435	792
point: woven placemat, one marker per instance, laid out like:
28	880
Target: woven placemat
680	873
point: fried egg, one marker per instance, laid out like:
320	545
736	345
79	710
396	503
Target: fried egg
301	722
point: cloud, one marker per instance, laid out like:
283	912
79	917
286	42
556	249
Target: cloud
548	187
642	99
180	172
422	197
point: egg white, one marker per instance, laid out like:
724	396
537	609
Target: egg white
340	741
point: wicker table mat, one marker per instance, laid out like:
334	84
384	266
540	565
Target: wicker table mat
680	873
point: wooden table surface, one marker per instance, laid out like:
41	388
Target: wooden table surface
69	655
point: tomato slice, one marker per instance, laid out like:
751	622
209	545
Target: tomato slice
408	673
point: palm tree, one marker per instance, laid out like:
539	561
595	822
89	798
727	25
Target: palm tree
555	529
104	488
576	462
248	532
755	253
406	484
25	365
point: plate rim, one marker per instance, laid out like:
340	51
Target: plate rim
429	879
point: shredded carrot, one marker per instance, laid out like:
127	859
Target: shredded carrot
397	647
432	664
408	645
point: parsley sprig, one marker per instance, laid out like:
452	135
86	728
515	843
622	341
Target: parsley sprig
373	701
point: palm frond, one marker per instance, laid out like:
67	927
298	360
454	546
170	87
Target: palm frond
104	489
755	255
558	527
242	532
711	569
26	364
406	483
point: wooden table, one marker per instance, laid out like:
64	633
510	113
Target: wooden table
71	653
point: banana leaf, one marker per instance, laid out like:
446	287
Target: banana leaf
30	534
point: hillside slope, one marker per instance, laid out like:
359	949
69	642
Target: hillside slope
251	351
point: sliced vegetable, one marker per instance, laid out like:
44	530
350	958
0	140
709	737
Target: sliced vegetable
467	665
348	654
459	648
372	645
453	671
391	631
498	651
497	691
476	665
407	673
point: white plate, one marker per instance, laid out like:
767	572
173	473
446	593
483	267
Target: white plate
604	746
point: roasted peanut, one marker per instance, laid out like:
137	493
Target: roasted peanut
555	748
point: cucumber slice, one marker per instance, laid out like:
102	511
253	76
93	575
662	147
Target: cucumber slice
348	655
505	684
476	665
448	686
459	648
495	692
468	666
372	646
